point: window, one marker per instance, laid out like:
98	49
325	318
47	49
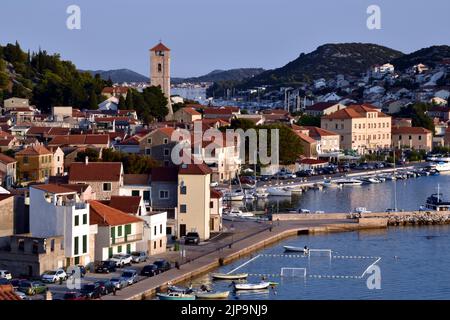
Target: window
52	245
183	208
159	67
410	137
166	141
183	190
25	160
160	228
154	244
110	252
400	137
77	221
154	230
128	248
119	249
160	243
420	137
148	151
107	186
164	194
85	218
149	140
211	204
119	231
85	244
75	245
135	193
166	152
146	195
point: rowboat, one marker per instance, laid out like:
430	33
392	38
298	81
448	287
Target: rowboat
212	295
175	296
172	288
294	249
252	286
226	276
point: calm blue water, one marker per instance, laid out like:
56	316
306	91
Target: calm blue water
411	194
415	261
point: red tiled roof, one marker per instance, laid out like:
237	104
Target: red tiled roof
7	293
191	111
304	137
320	106
5	159
215	194
52	188
34	150
104	215
167	174
95	171
195	169
160	47
5	141
410	130
80	139
136	179
312	161
127	204
115	90
319	132
354	111
220	111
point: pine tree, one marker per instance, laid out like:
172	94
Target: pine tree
129	101
122	105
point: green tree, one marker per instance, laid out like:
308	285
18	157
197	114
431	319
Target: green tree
122	105
129	101
307	120
92	155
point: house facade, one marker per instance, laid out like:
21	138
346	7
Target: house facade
412	137
34	164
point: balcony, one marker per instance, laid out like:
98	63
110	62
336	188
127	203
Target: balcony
127	238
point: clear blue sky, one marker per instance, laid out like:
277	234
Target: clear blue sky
215	34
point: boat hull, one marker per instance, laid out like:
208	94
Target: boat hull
212	295
163	296
252	286
224	276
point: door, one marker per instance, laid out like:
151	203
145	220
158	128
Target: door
182	230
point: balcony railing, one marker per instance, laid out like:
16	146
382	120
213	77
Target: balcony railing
127	238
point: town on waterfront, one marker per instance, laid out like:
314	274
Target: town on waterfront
326	177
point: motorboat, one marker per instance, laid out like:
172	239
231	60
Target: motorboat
261	193
349	182
295	249
441	164
172	288
362	210
279	192
252	286
204	295
175	296
237	195
435	203
371	180
229	276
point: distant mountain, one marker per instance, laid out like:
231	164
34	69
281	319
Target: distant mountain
119	75
428	56
326	62
223	75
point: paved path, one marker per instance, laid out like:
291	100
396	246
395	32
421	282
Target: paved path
208	262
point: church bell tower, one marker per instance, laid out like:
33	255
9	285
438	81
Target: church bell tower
160	72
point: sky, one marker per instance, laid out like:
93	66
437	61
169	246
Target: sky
205	35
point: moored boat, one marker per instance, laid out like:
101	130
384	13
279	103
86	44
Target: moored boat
279	192
175	296
252	286
212	295
294	249
229	276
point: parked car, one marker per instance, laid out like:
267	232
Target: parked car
192	238
4	281
5	274
21	295
53	276
32	287
106	286
121	259
214	184
106	267
16	283
129	275
91	291
73	295
265	178
119	283
162	265
138	256
149	270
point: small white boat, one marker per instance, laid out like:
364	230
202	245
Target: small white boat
175	296
349	182
252	286
362	210
295	249
261	194
227	276
237	195
204	295
279	192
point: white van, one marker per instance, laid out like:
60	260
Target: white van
5	274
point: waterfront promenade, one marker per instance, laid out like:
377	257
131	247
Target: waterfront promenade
245	246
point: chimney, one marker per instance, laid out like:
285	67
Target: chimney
86	160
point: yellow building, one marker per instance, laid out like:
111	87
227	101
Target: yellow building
361	128
412	137
34	164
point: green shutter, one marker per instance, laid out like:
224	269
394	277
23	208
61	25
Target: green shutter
128	248
77	221
85	244
110	252
119	249
119	231
113	235
75	241
85	218
127	230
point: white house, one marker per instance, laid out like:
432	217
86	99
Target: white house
155	226
58	211
112	103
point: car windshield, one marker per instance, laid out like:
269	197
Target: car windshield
25	284
88	287
50	273
136	254
115	280
192	234
150	267
127	274
159	262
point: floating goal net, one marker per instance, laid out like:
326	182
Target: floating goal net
319	253
293	272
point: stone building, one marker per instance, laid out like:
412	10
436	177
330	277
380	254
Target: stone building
160	72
